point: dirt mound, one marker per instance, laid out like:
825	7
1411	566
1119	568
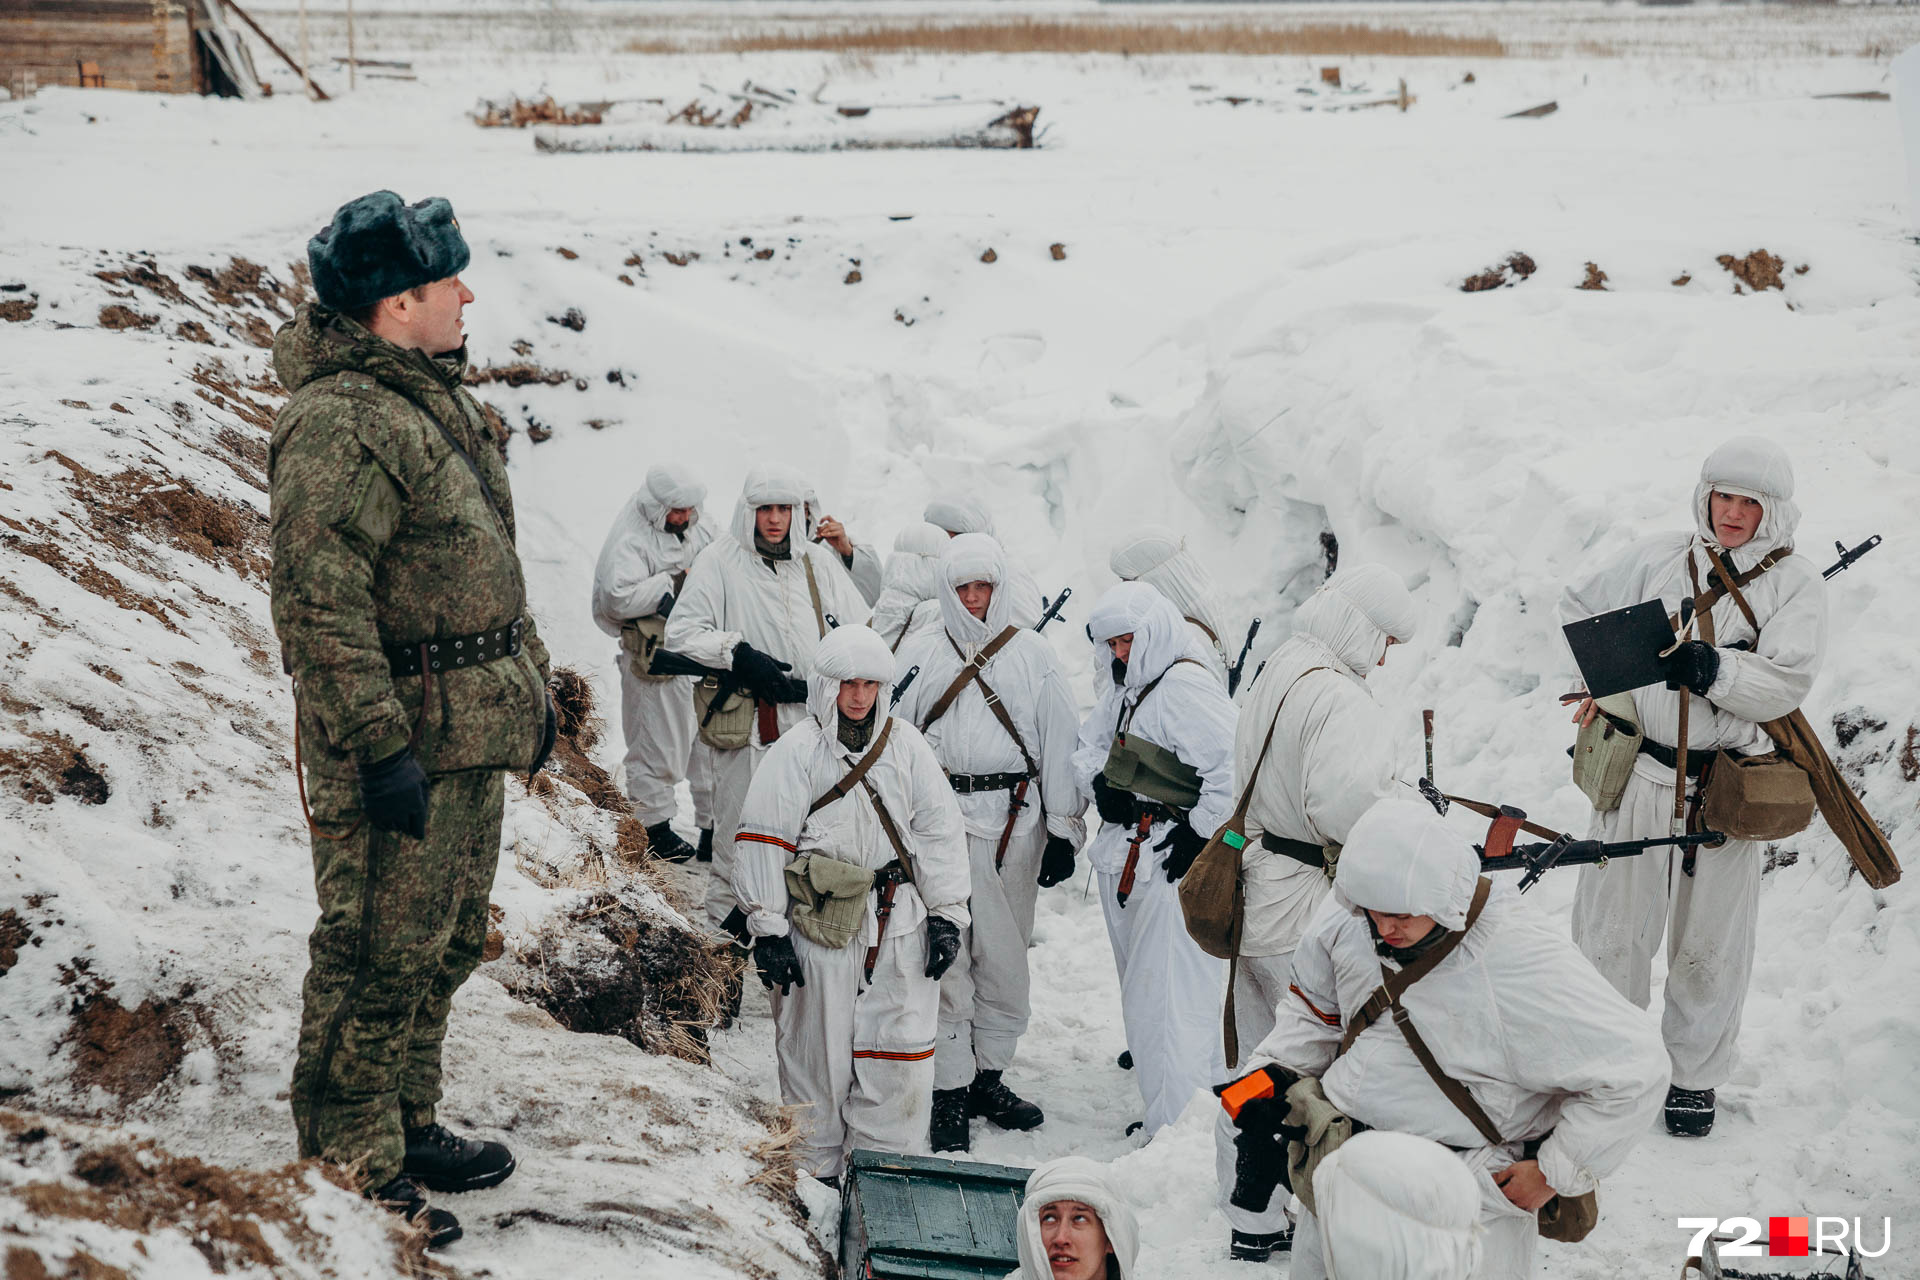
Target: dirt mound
54	766
114	316
131	1052
14	934
74	1181
572	762
1518	265
519	374
18	310
1596	279
130	509
614	964
1758	270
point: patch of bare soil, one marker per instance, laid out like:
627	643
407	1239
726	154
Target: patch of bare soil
518	374
146	274
221	387
1758	270
89	575
117	317
241	283
1596	280
1516	268
81	1175
193	331
14	934
132	507
129	1052
17	310
54	766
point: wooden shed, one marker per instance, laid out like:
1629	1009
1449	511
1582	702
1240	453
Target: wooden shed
160	46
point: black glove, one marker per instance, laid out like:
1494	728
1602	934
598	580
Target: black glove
1114	805
943	944
777	964
1056	861
549	733
764	677
1182	845
393	794
666	606
1694	665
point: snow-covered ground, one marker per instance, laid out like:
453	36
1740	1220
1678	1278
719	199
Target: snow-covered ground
1256	333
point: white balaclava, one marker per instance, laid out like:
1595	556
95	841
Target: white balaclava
848	653
1393	1206
1753	468
959	515
973	557
671	487
1355	612
913	568
1075	1178
1159	557
771	486
1401	858
1160	634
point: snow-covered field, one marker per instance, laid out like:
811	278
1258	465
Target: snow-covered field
1256	333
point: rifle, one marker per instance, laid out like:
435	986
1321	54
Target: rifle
1847	557
901	685
1053	608
1246	646
1499	853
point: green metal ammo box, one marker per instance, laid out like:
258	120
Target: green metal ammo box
924	1218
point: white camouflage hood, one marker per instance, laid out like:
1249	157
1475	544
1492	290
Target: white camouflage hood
959	515
848	653
1159	557
1160	634
913	568
772	487
1355	612
1392	1204
973	557
1075	1178
1753	468
670	487
1402	858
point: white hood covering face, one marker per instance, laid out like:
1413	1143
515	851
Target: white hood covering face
1075	1178
959	515
1355	612
973	557
671	487
1402	858
848	653
1160	634
773	487
1753	468
1393	1206
911	569
1159	557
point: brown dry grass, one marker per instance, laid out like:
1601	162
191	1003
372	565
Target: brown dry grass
1101	34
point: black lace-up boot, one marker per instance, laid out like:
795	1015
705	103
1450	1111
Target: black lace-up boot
441	1160
664	844
404	1197
949	1130
1248	1247
1689	1112
990	1099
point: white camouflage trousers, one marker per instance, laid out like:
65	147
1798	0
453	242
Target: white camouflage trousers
662	748
858	1055
1709	919
1170	992
1259	984
984	996
732	774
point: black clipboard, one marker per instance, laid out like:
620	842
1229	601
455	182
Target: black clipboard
1621	650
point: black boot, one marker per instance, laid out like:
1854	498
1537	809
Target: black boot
1248	1247
705	852
990	1099
949	1130
1689	1112
667	846
441	1160
404	1197
1125	1060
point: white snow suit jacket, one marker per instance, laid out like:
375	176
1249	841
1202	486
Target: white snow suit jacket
1187	713
1080	1179
734	594
907	603
1514	1013
1760	683
807	762
640	558
1024	675
1332	754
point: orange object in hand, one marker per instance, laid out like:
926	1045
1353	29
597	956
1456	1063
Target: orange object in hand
1264	1083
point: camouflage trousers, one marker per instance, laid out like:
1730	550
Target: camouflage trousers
402	925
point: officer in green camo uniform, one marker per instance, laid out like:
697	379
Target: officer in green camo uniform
419	682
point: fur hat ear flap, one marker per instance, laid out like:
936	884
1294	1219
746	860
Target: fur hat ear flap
378	246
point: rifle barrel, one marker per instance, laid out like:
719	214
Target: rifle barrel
1847	557
1581	852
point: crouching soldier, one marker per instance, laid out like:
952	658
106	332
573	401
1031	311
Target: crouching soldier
994	707
1427	1001
419	681
1749	658
851	868
1156	759
641	571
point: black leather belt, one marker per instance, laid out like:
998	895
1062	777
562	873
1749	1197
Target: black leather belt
450	653
970	783
1697	761
1299	850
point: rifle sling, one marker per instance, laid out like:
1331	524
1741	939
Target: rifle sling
1386	998
1238	821
858	774
1725	583
813	590
1489	811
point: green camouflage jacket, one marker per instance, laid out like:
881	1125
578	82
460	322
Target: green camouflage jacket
382	537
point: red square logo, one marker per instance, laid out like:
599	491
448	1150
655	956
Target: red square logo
1787	1237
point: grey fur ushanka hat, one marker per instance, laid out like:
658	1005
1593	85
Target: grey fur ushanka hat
378	246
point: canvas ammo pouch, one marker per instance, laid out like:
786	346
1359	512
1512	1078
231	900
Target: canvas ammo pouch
1756	797
640	639
1603	752
726	722
829	898
1328	1129
1151	772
